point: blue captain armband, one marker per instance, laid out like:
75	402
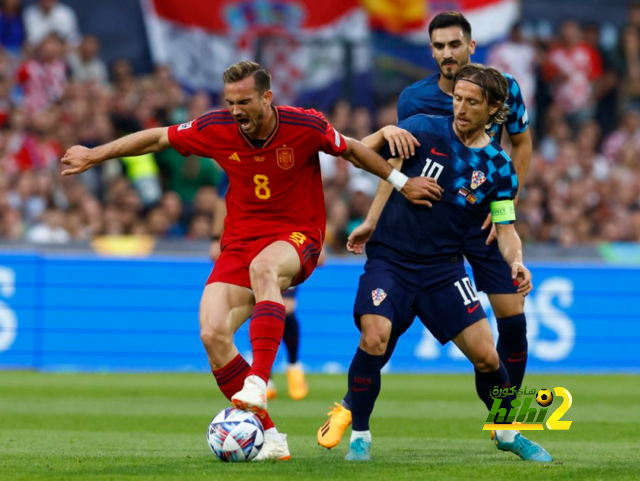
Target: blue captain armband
503	211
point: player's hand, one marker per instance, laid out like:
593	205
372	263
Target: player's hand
417	189
493	235
401	143
522	275
359	237
78	158
214	250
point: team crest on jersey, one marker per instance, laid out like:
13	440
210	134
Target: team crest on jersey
477	179
186	125
378	295
285	158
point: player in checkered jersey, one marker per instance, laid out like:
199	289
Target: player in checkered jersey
275	223
414	258
452	47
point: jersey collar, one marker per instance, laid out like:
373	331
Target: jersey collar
271	135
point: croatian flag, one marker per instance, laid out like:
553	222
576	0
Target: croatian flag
400	27
295	40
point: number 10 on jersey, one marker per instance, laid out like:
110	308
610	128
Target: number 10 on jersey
432	169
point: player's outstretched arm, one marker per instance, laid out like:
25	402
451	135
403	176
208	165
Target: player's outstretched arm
511	249
416	189
401	142
80	159
361	234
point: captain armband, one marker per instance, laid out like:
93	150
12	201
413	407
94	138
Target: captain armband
503	211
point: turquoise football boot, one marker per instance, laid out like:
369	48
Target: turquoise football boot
359	450
525	448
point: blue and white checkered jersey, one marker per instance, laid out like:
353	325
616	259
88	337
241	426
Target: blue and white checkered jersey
426	97
471	179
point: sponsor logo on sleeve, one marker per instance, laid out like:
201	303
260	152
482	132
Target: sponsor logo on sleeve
186	125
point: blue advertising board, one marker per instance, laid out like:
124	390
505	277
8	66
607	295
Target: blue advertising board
92	313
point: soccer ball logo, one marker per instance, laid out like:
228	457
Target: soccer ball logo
544	397
235	435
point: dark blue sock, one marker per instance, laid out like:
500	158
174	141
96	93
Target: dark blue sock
486	382
364	387
391	346
291	337
513	347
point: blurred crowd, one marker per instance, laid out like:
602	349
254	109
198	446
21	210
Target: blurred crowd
55	92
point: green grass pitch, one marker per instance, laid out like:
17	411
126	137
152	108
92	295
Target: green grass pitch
152	427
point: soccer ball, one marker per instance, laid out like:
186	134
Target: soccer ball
544	397
235	435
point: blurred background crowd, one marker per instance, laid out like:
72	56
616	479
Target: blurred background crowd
582	88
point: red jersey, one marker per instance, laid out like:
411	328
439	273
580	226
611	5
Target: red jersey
275	188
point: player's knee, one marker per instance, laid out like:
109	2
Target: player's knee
508	306
262	271
374	341
487	360
216	341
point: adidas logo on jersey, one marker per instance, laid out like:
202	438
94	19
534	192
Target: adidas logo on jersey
235	157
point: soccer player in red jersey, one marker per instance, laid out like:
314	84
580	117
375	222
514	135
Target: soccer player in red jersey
275	221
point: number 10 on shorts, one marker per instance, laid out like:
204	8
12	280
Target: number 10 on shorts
467	292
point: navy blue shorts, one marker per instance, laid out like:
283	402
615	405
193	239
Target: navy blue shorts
441	295
491	272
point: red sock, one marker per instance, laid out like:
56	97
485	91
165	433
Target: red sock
230	379
265	331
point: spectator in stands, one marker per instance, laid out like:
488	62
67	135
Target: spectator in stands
158	223
605	89
86	65
172	206
23	197
572	67
11	225
626	60
628	132
518	57
50	230
44	78
199	228
12	30
50	16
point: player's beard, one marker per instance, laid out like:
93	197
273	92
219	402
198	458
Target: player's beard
451	73
448	74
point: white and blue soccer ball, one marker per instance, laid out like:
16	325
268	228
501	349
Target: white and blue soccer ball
235	435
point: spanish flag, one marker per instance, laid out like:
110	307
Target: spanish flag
396	16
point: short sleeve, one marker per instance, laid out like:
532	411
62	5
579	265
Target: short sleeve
518	119
332	142
188	140
402	106
507	185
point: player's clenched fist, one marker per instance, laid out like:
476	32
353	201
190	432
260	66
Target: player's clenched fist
522	276
417	189
78	159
